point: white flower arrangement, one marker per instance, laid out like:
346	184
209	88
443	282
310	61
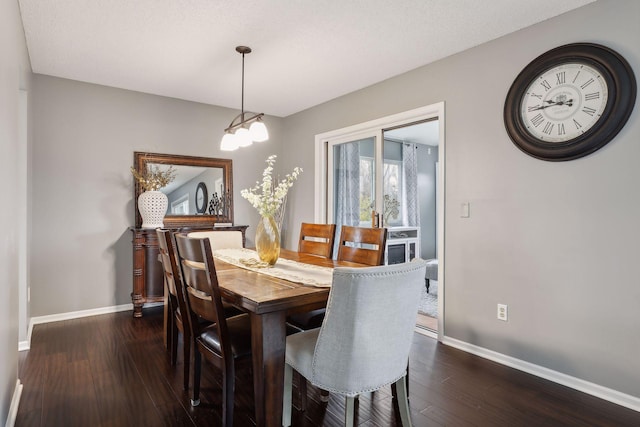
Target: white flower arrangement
268	198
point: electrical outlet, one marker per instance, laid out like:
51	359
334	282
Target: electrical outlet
503	312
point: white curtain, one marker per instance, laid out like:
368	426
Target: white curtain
347	191
410	213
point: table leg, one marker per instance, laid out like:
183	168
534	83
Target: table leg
268	346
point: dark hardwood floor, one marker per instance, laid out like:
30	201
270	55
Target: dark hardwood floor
112	370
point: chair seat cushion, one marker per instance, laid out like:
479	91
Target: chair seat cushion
239	328
300	349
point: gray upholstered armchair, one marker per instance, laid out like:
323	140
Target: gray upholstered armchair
364	341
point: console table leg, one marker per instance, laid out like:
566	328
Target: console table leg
137	305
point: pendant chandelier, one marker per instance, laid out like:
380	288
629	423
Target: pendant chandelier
246	128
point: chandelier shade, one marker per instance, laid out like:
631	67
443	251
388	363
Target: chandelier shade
246	128
258	131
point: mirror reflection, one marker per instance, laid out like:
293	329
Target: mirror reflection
200	194
196	191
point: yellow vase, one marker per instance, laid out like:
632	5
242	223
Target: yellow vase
268	240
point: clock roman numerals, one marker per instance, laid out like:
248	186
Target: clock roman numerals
587	83
577	124
576	77
563	103
537	120
545	84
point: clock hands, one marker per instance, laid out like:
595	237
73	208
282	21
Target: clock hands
568	103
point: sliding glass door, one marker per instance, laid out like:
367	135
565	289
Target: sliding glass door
351	181
384	173
359	195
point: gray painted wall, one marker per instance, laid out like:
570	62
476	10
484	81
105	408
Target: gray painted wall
557	242
85	136
14	75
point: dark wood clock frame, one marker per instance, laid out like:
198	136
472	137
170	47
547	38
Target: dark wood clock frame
621	85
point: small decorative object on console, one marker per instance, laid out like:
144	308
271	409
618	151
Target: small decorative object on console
152	203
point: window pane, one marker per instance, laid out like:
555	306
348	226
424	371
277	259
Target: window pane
392	188
366	188
353	181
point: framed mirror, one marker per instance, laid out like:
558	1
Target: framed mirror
201	193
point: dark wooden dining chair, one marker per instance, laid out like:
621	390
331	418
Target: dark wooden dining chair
317	239
178	313
227	341
356	236
362	245
177	318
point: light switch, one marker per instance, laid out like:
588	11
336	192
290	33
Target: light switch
464	210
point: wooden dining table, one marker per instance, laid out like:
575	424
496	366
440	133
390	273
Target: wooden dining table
268	300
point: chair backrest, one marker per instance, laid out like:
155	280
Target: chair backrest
222	239
317	239
364	341
352	239
171	270
200	283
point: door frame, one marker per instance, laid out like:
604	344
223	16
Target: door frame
432	111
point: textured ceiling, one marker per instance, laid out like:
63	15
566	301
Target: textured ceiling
304	52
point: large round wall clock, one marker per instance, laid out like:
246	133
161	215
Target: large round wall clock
201	197
570	101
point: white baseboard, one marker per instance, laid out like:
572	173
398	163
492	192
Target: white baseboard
15	402
26	345
613	396
426	332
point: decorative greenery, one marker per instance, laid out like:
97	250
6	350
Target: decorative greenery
366	205
154	178
391	207
269	198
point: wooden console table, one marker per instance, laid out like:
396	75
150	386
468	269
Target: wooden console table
148	278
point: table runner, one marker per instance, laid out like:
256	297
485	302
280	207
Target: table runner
293	271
